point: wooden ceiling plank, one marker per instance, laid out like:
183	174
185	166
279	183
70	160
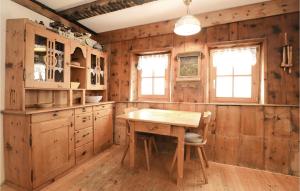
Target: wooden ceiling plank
236	14
53	15
86	10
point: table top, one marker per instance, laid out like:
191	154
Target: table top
170	117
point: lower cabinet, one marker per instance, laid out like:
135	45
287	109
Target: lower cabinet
52	149
39	147
103	131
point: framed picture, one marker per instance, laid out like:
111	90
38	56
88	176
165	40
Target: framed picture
188	66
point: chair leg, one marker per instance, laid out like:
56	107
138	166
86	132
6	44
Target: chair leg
204	157
202	165
150	147
188	153
173	161
154	144
124	154
147	154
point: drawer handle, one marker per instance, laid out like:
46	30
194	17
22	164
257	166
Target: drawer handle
83	153
54	114
83	109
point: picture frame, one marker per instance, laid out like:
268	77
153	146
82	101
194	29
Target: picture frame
188	66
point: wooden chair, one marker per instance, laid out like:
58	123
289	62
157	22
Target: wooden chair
197	140
147	138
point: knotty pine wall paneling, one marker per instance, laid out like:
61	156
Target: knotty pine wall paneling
281	87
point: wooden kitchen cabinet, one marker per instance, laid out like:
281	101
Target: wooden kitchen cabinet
37	152
47	128
103	130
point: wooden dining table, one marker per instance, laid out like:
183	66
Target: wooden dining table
161	122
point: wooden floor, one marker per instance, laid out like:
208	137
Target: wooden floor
104	172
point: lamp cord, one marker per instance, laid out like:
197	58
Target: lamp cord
187	3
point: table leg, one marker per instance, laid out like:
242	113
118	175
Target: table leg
180	155
132	144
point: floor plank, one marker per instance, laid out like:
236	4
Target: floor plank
104	172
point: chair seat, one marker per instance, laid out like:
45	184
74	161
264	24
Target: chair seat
194	140
191	135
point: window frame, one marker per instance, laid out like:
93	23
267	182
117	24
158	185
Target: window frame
256	72
166	96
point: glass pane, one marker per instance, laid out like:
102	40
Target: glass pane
243	69
146	86
59	65
159	71
147	72
159	86
224	69
224	86
242	86
102	65
93	61
40	50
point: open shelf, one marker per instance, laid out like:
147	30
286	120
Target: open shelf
78	72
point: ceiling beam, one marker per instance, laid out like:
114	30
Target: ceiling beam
100	7
236	14
53	15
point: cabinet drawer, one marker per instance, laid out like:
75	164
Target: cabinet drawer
83	121
83	136
103	112
82	110
84	152
35	118
153	128
100	107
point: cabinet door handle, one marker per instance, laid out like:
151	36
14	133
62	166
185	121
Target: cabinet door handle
85	135
83	153
54	114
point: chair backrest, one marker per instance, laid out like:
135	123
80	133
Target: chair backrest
206	123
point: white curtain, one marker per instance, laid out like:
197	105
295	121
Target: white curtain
150	62
234	56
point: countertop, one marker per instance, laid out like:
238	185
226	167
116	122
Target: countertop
30	111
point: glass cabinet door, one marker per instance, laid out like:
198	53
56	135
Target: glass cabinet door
46	58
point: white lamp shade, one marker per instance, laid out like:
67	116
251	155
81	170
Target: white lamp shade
187	25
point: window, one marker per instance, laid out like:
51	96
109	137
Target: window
153	76
235	74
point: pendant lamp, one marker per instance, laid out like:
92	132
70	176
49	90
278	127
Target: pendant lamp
188	24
